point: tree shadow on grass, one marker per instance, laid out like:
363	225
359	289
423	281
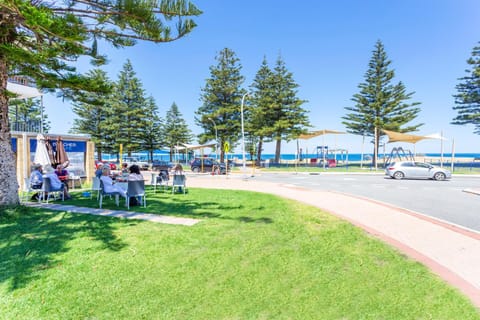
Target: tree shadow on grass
32	240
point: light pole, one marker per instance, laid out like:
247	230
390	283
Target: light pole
243	134
216	138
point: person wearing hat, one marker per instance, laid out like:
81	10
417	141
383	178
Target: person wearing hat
36	179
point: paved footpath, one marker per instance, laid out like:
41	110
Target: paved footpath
450	252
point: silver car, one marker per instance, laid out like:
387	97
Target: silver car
416	170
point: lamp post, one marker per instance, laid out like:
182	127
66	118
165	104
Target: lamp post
243	134
216	138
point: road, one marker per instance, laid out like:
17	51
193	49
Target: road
444	200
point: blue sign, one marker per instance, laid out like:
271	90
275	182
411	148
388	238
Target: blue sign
14	144
70	146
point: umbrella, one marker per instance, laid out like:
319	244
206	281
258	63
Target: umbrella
50	152
41	153
61	156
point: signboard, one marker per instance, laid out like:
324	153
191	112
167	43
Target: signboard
70	146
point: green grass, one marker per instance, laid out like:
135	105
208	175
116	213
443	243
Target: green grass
253	256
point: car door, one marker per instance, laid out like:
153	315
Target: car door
421	170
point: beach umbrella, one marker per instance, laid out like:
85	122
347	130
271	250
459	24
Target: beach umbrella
317	133
61	156
50	151
41	153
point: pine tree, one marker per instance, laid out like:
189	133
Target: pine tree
91	109
289	118
41	39
128	115
260	114
26	114
467	100
221	99
153	133
380	104
176	130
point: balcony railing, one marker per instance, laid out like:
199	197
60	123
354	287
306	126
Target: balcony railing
26	126
24	81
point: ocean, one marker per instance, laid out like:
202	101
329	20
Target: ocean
162	155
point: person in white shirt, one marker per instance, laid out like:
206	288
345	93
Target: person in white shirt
108	184
55	182
135	174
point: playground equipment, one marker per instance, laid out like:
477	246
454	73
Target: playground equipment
399	154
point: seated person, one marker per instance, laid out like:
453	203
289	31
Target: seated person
108	184
56	183
178	170
98	172
124	169
36	179
61	173
135	174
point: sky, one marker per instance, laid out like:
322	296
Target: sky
327	46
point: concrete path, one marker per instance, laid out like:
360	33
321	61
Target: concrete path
449	251
117	213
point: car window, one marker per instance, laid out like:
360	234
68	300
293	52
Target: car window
422	165
407	164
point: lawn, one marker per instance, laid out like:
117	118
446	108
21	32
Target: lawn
253	256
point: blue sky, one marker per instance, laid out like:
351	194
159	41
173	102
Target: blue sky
327	46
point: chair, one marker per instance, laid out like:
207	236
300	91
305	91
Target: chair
103	193
95	187
27	189
136	188
73	179
48	190
160	180
179	182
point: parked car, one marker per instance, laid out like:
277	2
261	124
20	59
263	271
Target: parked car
133	160
207	164
158	165
416	170
112	165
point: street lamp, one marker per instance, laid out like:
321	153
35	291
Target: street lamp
216	138
243	134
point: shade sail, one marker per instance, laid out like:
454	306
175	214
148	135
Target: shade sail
195	146
403	137
317	133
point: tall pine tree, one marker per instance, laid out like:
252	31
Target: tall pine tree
153	133
221	99
467	100
288	116
128	114
261	113
176	130
91	108
380	104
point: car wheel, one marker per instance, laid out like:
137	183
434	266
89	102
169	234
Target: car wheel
398	175
440	176
196	169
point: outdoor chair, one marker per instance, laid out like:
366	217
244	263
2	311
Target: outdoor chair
136	189
103	193
179	182
27	190
160	180
48	190
95	187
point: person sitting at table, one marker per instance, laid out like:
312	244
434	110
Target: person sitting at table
36	179
56	182
135	174
98	172
62	174
108	184
178	170
125	170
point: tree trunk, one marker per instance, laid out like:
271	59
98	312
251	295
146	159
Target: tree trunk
277	150
8	170
259	152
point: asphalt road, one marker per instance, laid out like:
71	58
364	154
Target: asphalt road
444	200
